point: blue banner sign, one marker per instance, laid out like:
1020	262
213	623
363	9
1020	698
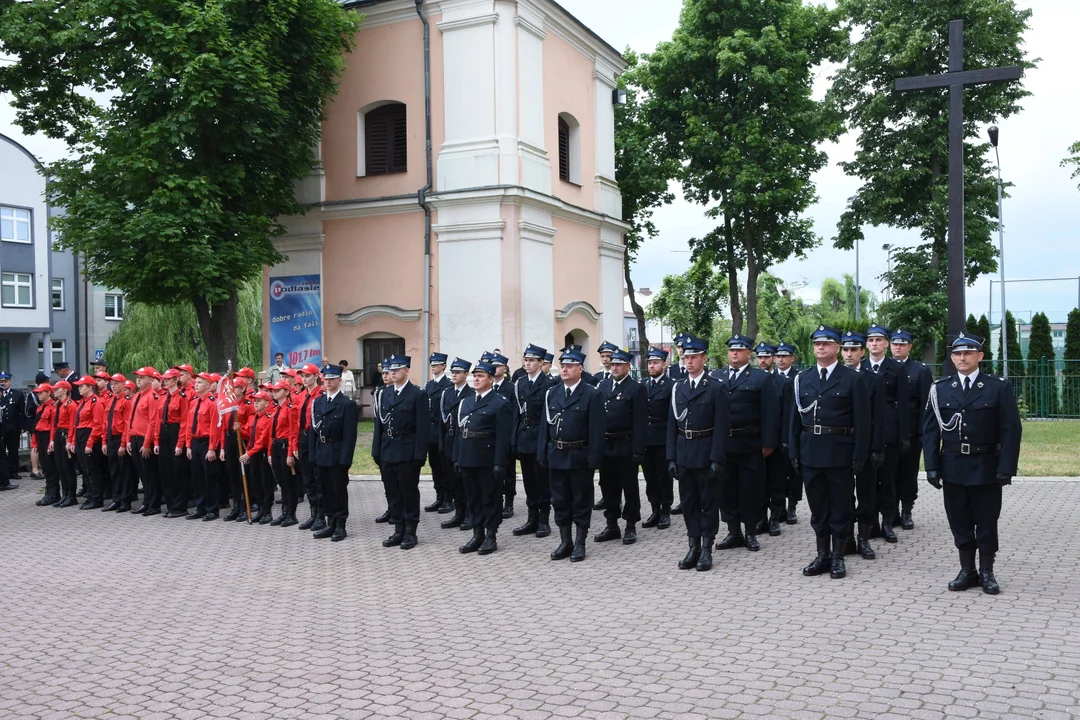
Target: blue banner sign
295	319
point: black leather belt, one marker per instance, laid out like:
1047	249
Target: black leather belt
693	434
570	444
969	449
466	434
745	430
826	430
327	441
657	421
913	404
617	435
275	442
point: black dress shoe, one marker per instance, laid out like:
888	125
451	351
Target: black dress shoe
466	525
543	529
141	510
66	502
197	515
906	522
392	541
752	543
730	541
434	507
578	553
966	579
489	546
508	509
704	563
37	476
339	531
321	524
175	514
529	527
210	516
692	555
385	517
453	522
81	492
48	500
611	532
152	511
792	516
289	521
9	486
231	517
677	510
242	517
267	518
819	565
838	569
447	507
888	533
92	505
989	582
111	507
774	527
472	544
124	507
665	520
409	541
278	520
630	535
865	550
598	505
762	527
652	521
324	533
566	544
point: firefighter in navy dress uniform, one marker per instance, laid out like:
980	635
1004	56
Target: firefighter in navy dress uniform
971	447
571	446
919	380
529	392
659	485
482	452
776	463
434	390
785	357
448	406
697	437
830	443
897	434
853	349
331	442
624	449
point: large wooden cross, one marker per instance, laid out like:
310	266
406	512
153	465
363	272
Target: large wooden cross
956	79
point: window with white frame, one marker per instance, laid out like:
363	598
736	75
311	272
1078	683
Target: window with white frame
114	306
569	149
58	293
58	353
14	224
16	290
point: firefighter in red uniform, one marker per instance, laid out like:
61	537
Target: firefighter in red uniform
144	409
165	439
260	479
60	444
44	416
201	437
116	416
88	428
236	424
284	430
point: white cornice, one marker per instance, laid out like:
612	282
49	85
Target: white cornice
537	233
603	77
530	27
471	22
362	208
299	243
466	231
581	306
370	311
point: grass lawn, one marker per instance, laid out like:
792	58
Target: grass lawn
1050	447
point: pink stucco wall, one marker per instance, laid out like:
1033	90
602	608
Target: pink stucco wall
576	263
569	88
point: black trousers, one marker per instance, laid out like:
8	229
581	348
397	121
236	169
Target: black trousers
483	497
117	469
402	483
65	464
659	487
286	476
828	491
147	469
973	512
537	484
454	487
173	493
509	485
794	481
618	480
572	496
182	478
438	470
907	474
257	469
334	490
886	482
204	486
742	488
267	483
10	446
776	481
90	462
309	473
866	504
233	471
48	464
700	500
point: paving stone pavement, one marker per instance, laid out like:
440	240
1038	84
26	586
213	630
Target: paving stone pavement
108	616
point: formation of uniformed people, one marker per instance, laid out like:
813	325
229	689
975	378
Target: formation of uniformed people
743	444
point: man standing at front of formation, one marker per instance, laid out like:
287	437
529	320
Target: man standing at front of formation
399	446
897	434
919	380
658	482
433	391
971	446
829	443
697	437
332	441
529	392
755	433
624	449
571	446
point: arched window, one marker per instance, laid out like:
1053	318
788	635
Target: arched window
383	140
569	149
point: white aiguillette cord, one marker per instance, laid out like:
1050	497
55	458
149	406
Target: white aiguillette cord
955	422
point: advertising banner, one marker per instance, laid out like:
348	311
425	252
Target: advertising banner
295	319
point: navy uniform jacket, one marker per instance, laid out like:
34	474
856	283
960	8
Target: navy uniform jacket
449	402
529	399
434	391
989	428
844	403
874	386
676	372
332	438
401	426
519	373
491	418
919	380
705	409
626	416
785	392
658	396
12	405
896	398
752	402
582	417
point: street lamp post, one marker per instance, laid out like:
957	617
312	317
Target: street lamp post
993	133
857	293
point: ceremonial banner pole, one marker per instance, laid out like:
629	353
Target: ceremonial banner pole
240	448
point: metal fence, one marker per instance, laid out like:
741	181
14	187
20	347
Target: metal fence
1044	388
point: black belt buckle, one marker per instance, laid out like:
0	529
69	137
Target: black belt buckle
817	429
965	449
689	434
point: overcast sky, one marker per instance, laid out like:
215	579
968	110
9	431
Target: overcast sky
1042	217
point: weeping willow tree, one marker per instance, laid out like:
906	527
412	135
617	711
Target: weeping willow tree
165	335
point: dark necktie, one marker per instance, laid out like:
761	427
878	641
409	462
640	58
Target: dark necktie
876	366
195	417
131	420
78	411
108	424
165	409
254	425
967	384
273	425
567	393
824	375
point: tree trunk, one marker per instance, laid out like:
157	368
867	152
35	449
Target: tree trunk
753	268
639	313
218	327
733	278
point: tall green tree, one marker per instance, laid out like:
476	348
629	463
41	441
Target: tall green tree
1010	333
971	325
731	96
188	124
692	301
1043	400
902	156
162	336
982	329
1071	386
643	171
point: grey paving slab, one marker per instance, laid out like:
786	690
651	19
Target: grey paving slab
108	616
